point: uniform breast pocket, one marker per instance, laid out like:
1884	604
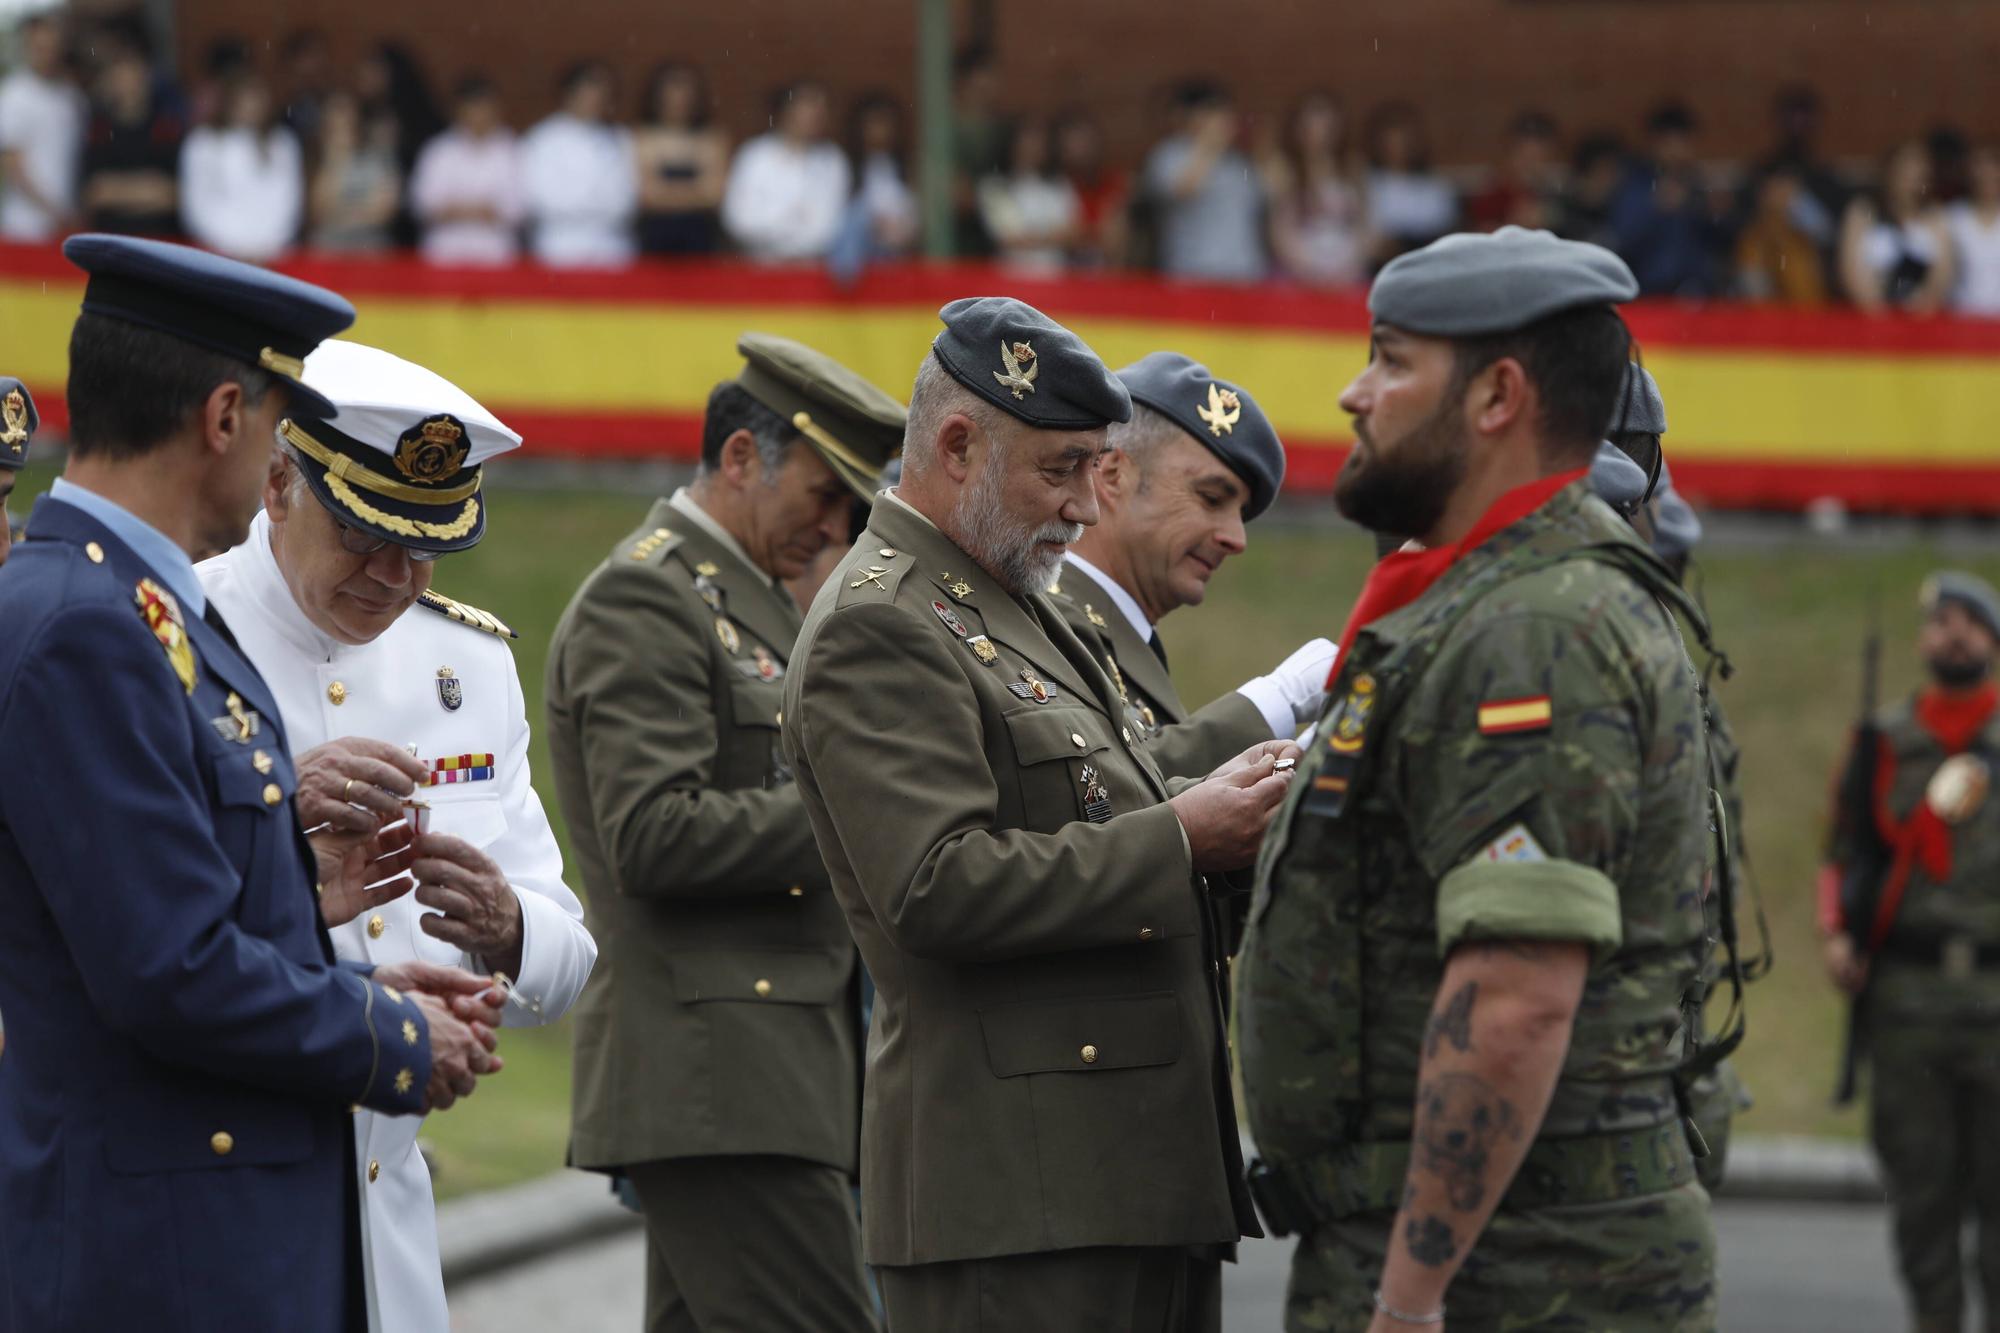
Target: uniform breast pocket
758	976
1088	1034
754	756
253	800
1061	760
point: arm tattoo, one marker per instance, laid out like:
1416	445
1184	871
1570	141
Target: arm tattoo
1453	1023
1460	1119
1430	1240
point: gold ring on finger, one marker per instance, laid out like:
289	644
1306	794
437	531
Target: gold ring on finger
347	792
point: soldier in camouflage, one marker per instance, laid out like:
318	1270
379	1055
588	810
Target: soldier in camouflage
1932	959
1480	913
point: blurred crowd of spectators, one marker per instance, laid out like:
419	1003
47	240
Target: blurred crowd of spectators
257	162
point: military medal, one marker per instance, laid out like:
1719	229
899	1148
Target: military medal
459	768
451	690
983	649
705	588
1958	788
767	669
950	619
241	723
163	616
1096	800
1031	686
726	632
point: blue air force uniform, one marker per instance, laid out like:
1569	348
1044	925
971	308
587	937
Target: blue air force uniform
182	1048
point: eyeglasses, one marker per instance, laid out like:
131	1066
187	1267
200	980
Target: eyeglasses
356	542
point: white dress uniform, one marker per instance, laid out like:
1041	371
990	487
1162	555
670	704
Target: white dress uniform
449	686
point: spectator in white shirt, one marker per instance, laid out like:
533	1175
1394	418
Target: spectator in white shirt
42	115
1031	213
582	182
467	186
788	189
1975	235
242	187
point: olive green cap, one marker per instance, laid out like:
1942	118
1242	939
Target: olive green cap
855	426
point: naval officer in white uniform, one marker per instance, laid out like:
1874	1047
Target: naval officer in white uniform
330	598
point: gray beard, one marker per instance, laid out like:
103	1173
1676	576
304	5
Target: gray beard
1012	554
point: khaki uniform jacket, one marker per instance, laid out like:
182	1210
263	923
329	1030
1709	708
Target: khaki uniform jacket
720	1019
1046	1068
1183	744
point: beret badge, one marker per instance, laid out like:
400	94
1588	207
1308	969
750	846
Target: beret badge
433	450
1021	369
13	420
1221	413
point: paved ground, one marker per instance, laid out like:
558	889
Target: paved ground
1787	1268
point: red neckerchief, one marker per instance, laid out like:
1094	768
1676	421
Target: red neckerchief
1954	721
1401	577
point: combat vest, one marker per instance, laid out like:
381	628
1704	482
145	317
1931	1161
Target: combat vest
1342	966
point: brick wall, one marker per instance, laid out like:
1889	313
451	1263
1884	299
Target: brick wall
1888	68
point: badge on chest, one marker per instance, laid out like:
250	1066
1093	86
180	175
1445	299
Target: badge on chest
451	690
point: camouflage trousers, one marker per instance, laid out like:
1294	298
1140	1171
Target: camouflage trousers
1932	1115
1635	1266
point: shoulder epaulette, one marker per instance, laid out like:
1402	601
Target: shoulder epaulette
466	615
872	576
650	544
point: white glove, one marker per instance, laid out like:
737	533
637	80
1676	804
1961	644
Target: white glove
1294	692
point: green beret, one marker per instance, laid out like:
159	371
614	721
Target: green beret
1472	284
855	426
1224	417
1027	365
18	423
1969	591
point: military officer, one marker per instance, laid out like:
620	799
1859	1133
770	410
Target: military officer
1475	920
717	1052
18	423
174	1144
1195	464
1048	1136
331	599
1929	953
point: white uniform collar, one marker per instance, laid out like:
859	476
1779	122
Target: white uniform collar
1121	599
265	584
698	516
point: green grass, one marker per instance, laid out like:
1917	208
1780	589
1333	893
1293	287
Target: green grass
1791	617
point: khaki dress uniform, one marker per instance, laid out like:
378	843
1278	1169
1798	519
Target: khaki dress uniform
1048	1136
717	1052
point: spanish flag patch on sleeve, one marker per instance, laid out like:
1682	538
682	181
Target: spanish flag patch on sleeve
1507	717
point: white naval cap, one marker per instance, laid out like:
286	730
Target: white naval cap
401	455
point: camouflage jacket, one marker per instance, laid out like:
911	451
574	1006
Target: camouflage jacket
1519	753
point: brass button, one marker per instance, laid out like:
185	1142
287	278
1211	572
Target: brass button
797	890
376	925
374	1171
888	553
223	1142
663	533
336	694
261	761
763	988
273	793
96	554
1089	1054
1077	739
1145	932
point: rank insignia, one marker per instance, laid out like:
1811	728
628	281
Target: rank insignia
1031	686
705	588
1222	412
708	569
1019	360
1096	799
767	667
163	616
1093	615
958	588
14	420
983	649
1511	717
726	632
950	619
872	574
433	450
451	690
459	768
1350	720
241	724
